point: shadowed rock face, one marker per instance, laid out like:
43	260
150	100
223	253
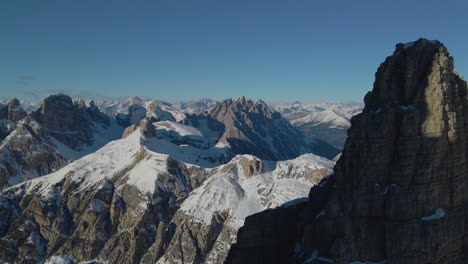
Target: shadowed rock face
147	129
69	122
253	128
12	111
399	190
31	150
15	112
9	115
128	207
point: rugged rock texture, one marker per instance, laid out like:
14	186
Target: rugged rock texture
27	153
147	129
124	204
208	220
69	122
48	138
71	213
399	190
6	127
12	111
15	112
129	130
253	128
10	114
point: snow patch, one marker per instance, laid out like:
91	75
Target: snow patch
59	260
315	256
439	213
230	190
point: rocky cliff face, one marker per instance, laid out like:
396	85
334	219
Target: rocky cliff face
10	114
233	127
253	128
47	139
128	204
70	123
398	193
147	128
15	112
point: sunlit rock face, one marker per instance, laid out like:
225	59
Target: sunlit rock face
398	193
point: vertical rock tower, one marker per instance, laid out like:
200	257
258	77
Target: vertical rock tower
399	193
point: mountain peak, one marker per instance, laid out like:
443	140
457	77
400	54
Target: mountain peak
406	76
14	103
252	127
403	171
13	111
418	44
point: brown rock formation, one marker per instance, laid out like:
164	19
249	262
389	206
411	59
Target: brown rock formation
31	150
129	130
147	128
399	190
15	112
253	128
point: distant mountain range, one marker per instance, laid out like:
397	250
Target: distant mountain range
239	181
143	180
328	121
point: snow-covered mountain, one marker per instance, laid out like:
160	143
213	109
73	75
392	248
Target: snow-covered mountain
60	130
326	121
232	127
46	139
195	106
171	183
129	203
133	109
254	128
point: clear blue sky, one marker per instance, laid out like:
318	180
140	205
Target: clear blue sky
173	50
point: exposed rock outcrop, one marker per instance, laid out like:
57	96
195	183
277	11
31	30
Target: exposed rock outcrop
10	114
125	204
147	128
69	122
253	128
129	130
15	112
135	112
398	193
48	138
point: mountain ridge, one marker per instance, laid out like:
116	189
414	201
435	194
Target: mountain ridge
397	194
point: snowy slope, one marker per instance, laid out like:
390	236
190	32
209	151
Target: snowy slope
136	108
100	165
36	148
117	155
147	177
335	113
195	106
326	121
230	190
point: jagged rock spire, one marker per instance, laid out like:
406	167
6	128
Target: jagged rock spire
398	193
405	158
147	128
15	112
